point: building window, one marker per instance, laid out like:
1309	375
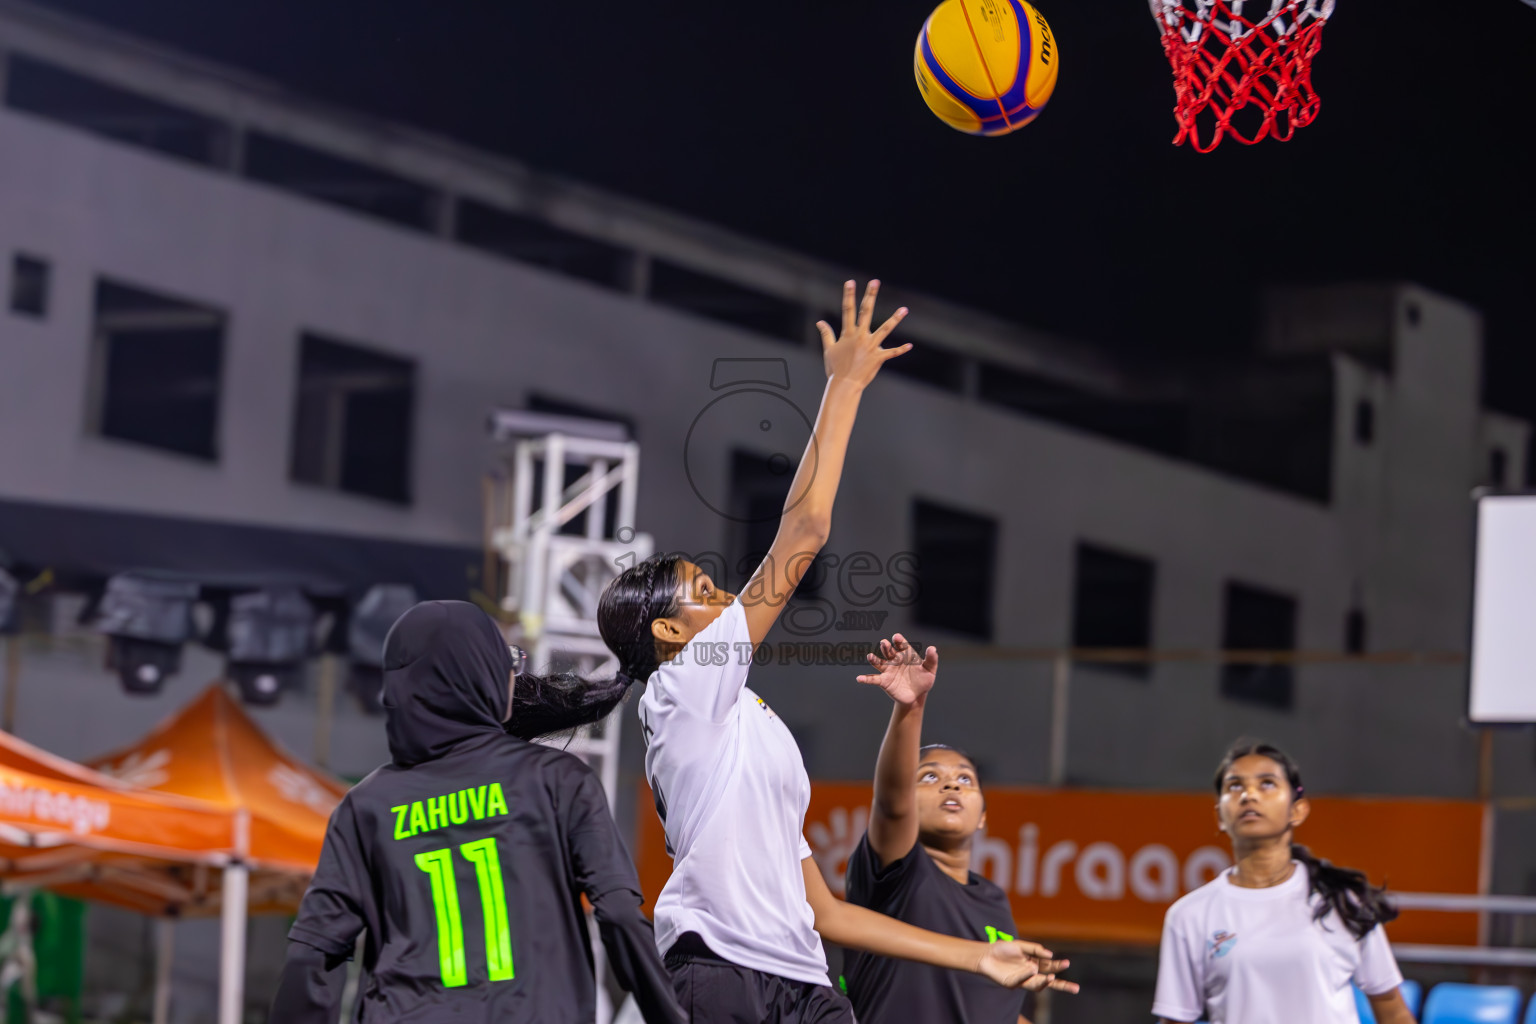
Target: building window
718	299
353	421
1498	467
1355	632
1112	603
529	240
956	555
1365	421
45	90
332	179
1258	620
927	363
29	285
759	488
156	370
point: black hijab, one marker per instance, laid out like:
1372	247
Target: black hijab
446	668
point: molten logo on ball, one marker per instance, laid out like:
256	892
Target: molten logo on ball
987	67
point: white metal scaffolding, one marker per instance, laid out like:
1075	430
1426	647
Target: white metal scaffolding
556	572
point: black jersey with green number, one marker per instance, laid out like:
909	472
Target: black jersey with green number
915	890
466	859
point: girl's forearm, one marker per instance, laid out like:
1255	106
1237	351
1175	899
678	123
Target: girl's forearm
897	764
809	504
858	928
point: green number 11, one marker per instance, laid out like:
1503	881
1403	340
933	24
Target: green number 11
438	865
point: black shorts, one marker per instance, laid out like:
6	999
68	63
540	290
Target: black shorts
714	991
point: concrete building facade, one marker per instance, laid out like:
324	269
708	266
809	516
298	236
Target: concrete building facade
199	263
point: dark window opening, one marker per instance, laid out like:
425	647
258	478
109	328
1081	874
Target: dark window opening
1112	604
1498	467
353	420
1274	423
29	285
340	182
1365	421
726	301
927	363
956	559
1355	632
1155	426
157	370
759	487
103	109
1259	620
531	241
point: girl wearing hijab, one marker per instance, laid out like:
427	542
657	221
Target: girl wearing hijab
465	859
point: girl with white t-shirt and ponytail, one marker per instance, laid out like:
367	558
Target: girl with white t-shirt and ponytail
739	920
1278	937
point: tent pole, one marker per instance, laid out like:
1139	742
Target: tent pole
165	943
326	710
232	944
12	682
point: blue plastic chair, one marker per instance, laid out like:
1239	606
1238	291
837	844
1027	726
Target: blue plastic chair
1413	994
1530	1012
1453	1003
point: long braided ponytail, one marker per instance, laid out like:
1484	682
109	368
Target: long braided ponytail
560	702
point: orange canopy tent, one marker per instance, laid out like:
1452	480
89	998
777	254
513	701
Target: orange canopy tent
213	753
205	815
64	826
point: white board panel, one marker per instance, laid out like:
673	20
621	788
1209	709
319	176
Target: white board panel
1503	683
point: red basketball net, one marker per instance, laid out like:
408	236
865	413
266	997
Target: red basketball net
1248	61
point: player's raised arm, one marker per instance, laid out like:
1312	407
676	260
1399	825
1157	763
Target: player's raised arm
851	358
906	677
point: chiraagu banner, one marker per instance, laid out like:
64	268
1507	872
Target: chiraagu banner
1103	866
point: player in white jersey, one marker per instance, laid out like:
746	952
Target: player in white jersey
740	919
1278	937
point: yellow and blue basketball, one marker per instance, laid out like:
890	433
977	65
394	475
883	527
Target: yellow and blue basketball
986	67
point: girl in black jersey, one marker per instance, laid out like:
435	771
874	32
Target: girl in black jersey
914	863
466	858
741	915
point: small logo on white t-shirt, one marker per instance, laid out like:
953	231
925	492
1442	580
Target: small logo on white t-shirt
1221	944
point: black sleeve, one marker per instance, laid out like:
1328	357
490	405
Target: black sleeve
309	991
601	868
331	913
869	884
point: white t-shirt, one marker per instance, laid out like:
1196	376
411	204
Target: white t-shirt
1256	956
732	792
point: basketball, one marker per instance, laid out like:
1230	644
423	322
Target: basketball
986	67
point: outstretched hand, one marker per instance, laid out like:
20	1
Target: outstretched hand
855	355
900	672
1026	965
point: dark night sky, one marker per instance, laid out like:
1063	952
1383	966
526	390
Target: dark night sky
798	122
